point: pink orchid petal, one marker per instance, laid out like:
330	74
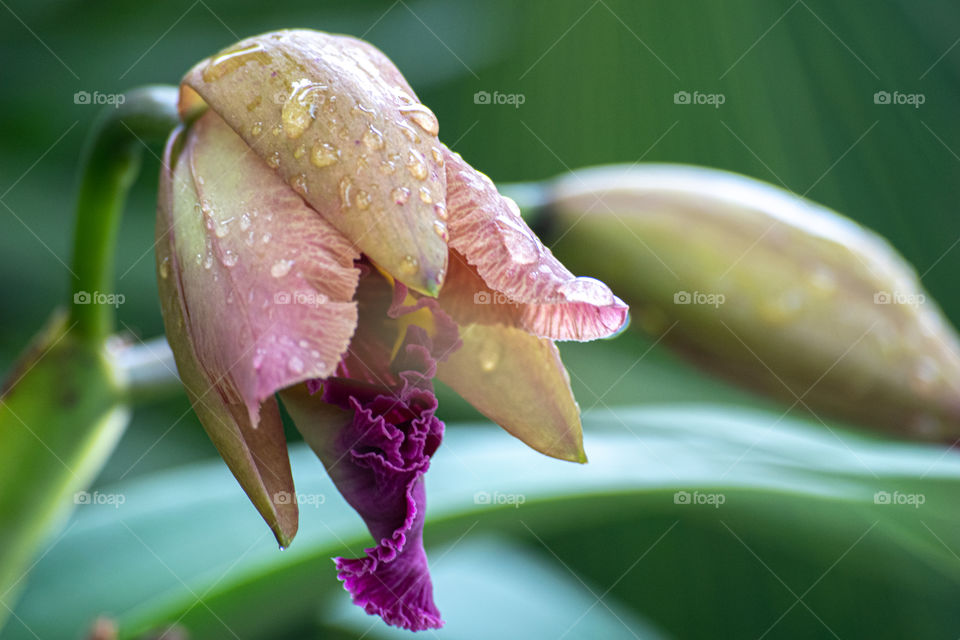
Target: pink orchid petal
518	381
257	456
267	283
336	119
525	285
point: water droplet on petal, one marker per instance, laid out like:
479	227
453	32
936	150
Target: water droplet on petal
229	61
440	228
295	364
363	199
229	258
490	356
373	139
299	183
408	131
416	165
273	161
409	265
164	267
281	268
400	195
300	108
512	205
345	187
425	196
245	222
256	129
324	154
422	117
441	210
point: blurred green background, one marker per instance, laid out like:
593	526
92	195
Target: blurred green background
598	81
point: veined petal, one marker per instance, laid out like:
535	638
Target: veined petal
518	381
257	456
525	285
338	122
267	283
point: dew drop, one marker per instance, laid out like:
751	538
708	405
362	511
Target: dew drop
441	210
208	260
416	165
274	160
256	129
299	151
324	154
299	183
489	356
164	267
345	187
408	131
229	61
409	265
373	139
266	237
363	199
422	117
245	222
512	205
295	364
437	156
440	228
281	268
303	344
400	195
425	196
300	108
229	258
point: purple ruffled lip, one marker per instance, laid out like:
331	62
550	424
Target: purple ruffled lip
378	460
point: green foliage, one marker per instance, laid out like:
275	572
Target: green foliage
520	542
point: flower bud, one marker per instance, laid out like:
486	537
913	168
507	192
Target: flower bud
767	289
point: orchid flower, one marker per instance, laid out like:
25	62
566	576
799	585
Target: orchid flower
316	241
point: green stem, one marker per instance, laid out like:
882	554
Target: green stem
110	166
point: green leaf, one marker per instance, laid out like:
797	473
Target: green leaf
799	517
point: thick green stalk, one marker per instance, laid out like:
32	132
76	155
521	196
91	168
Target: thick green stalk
110	165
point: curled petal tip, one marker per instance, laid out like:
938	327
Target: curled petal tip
497	257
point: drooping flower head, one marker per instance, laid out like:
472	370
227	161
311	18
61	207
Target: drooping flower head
316	240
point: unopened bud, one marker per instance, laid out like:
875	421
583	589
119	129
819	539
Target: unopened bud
768	289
